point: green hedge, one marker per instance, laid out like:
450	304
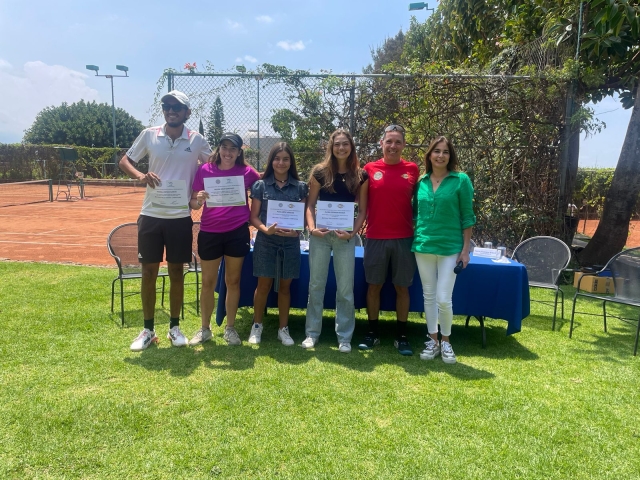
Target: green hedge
19	162
591	189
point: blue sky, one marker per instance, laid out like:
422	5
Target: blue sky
45	46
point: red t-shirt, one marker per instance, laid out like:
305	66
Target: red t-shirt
389	207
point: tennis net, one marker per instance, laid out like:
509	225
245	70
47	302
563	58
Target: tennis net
24	193
108	187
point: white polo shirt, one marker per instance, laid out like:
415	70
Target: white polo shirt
169	160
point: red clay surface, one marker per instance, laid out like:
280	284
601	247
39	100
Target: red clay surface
76	231
65	231
634	231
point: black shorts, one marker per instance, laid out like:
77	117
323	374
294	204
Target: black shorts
154	234
235	243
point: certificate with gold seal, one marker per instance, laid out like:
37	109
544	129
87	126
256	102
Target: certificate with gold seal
286	214
335	215
169	194
225	191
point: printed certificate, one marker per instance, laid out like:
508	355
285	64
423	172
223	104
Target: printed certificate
285	214
170	194
335	215
225	191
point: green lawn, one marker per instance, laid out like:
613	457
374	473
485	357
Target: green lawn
76	403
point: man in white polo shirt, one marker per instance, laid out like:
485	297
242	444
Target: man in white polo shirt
174	154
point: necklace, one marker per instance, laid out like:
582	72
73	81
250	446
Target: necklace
342	176
280	181
438	180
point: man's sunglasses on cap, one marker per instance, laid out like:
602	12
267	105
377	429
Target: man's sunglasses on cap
395	128
177	107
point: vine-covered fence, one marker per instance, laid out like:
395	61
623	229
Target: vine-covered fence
507	129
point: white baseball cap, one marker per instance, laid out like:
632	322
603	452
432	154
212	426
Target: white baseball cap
179	96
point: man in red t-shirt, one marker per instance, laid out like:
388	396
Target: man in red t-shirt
390	234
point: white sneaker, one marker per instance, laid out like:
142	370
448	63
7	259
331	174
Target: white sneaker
256	334
142	341
309	342
447	353
344	348
431	350
201	336
284	337
177	338
231	336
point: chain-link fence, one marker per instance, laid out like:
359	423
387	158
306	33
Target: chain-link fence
507	129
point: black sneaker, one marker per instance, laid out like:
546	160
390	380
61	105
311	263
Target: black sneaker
402	344
369	342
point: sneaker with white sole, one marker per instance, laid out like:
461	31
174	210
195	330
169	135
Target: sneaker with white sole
256	334
344	347
231	336
177	337
431	350
284	337
403	346
143	340
201	336
309	342
370	341
447	353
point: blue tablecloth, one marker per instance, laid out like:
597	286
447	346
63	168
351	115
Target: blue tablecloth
483	289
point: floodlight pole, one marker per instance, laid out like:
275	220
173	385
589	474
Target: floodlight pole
124	69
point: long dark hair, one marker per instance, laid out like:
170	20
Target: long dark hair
277	148
215	157
329	166
452	166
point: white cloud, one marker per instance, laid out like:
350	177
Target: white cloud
293	46
246	58
5	64
264	19
37	86
235	26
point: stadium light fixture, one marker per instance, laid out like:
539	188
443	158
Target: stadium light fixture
419	6
122	68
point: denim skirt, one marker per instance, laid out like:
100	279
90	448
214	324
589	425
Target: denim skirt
276	257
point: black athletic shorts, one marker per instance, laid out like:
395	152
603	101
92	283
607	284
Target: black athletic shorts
154	234
235	243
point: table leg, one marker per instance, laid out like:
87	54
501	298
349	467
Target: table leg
480	319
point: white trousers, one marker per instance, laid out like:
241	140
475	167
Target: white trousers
438	279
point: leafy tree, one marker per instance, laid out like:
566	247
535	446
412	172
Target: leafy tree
605	33
216	123
389	52
83	124
609	59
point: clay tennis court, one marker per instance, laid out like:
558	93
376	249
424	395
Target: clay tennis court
75	231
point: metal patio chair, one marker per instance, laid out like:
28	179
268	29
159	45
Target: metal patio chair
625	271
545	258
122	244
